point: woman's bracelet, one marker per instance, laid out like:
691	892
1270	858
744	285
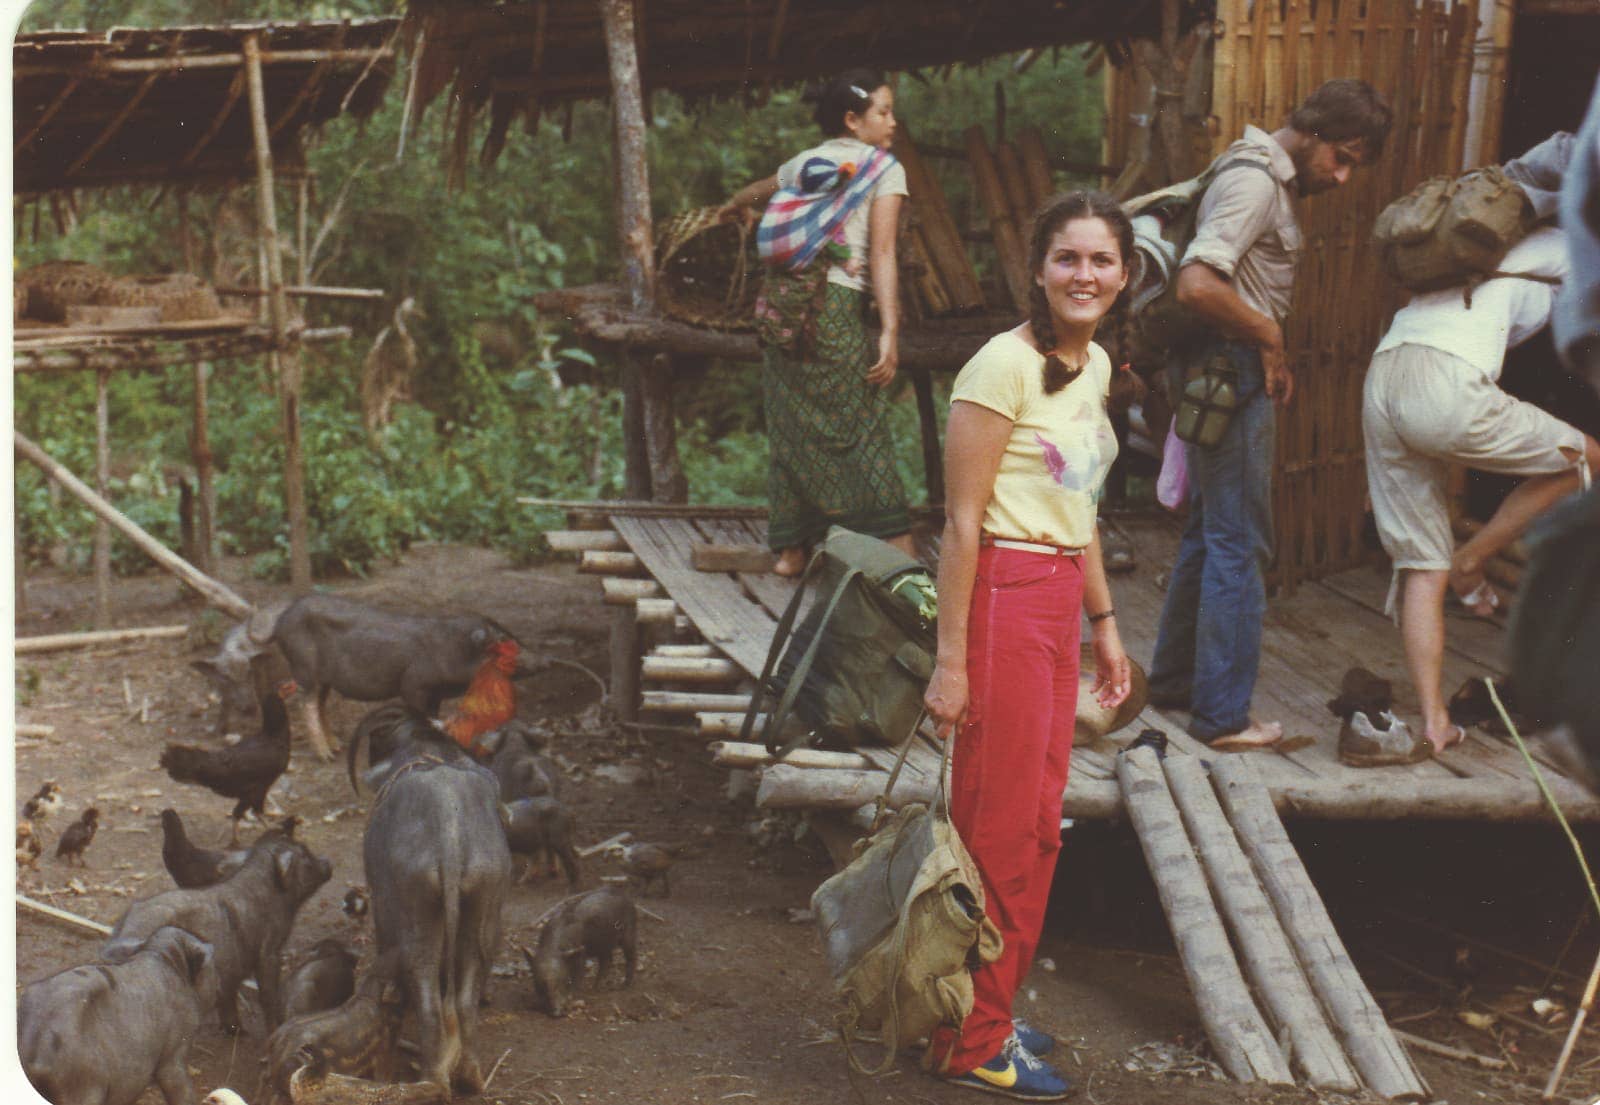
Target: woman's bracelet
1103	615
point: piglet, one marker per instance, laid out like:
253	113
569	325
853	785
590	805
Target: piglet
586	926
105	1032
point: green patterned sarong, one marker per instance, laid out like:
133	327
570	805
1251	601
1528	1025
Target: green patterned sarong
827	428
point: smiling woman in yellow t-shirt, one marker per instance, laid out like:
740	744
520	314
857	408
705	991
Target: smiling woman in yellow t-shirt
1026	454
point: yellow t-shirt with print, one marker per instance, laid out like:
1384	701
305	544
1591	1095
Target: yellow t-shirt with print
1061	445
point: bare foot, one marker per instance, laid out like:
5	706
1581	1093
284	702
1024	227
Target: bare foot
791	562
1448	737
1258	734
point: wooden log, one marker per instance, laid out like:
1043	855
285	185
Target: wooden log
1007	239
721	723
1367	1038
57	642
708	557
623	694
656	611
102	487
602	562
694	702
740	754
1433	1047
940	235
1238	1033
1264	950
1035	166
625	592
218	594
1400	799
206	61
30	729
585	540
690	669
307	291
695	650
916	260
784	786
72	919
1008	164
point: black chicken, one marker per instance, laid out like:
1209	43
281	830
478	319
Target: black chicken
245	771
79	835
190	866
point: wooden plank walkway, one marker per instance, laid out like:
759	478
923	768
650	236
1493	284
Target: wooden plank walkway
1310	639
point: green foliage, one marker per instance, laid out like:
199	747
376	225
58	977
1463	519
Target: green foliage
491	417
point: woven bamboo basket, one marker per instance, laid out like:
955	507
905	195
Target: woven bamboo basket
181	297
54	286
706	271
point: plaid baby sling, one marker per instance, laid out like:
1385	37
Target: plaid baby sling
800	221
799	224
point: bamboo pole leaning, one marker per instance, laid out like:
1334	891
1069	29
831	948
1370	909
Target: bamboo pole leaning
1367	1038
1007	239
1264	949
215	592
1238	1033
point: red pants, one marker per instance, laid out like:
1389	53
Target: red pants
1009	766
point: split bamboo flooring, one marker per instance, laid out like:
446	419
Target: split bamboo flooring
1310	639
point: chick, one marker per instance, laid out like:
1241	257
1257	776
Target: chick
645	862
355	904
79	835
28	846
46	801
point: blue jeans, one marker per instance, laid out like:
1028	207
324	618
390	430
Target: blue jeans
1209	645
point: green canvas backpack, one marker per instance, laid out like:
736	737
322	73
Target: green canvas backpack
855	669
1453	231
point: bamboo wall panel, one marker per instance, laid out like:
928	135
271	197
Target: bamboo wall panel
1268	58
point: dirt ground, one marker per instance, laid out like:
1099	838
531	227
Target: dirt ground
732	999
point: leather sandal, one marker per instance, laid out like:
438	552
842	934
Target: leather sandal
1256	735
1481	602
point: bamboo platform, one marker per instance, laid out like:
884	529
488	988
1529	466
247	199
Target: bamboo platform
1311	638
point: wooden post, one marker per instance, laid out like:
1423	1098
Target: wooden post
200	452
932	458
623	694
102	486
285	362
216	593
668	484
302	215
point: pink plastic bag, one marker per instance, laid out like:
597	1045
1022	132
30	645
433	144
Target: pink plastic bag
1172	486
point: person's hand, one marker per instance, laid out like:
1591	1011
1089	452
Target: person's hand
1275	367
881	374
1113	675
946	699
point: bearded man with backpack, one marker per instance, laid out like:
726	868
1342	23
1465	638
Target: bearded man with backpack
1237	277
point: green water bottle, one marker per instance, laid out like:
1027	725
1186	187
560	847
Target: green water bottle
1208	404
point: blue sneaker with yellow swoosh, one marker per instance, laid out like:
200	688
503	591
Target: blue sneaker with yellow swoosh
1038	1042
1016	1073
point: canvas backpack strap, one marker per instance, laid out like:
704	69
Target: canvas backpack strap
1472	285
775	650
774	725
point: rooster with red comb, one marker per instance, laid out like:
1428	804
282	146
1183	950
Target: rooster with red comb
490	699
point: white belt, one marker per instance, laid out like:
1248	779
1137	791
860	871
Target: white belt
1033	547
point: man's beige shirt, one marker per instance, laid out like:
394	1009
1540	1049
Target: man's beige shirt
1247	229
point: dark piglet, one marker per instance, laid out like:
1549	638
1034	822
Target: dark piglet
321	978
438	869
357	1037
191	866
105	1032
366	653
246	920
587	926
519	765
542	828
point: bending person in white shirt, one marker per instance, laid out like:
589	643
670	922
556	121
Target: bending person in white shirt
1432	399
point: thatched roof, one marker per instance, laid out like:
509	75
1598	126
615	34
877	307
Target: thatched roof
520	58
170	105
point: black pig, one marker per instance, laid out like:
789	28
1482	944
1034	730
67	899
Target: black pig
364	652
357	1037
542	828
517	763
320	979
438	867
245	919
104	1032
586	926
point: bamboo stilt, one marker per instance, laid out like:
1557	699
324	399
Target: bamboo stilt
690	669
693	702
102	486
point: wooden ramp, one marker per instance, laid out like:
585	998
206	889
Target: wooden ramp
1311	637
1282	999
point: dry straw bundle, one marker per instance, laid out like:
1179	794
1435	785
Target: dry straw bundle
705	270
181	297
